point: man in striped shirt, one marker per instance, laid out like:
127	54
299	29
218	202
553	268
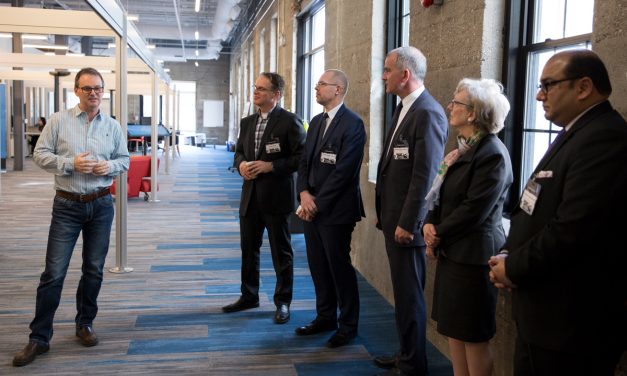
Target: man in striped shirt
84	149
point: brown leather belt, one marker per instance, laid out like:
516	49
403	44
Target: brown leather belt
88	197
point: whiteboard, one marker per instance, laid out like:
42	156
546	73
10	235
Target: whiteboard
213	114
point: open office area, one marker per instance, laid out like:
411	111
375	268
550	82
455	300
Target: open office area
460	136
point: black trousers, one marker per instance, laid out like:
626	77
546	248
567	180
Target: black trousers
334	278
407	269
251	236
531	360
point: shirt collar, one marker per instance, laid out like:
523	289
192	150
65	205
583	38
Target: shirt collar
334	111
411	97
569	125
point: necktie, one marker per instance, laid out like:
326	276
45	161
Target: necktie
323	125
559	136
261	126
392	131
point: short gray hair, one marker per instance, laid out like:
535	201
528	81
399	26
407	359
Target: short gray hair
410	58
488	102
341	77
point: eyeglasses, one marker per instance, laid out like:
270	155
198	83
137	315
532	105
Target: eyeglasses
453	102
89	89
546	85
262	89
322	83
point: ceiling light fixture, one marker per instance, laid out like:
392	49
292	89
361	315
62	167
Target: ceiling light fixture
196	63
196	35
166	70
151	46
45	47
197	6
111	45
197	53
132	17
34	37
6	35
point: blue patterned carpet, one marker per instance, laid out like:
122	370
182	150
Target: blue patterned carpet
165	316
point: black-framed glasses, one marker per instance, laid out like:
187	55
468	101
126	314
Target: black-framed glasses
89	89
544	86
262	89
454	102
322	83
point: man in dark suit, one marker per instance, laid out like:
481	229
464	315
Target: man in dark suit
412	150
266	155
564	259
328	183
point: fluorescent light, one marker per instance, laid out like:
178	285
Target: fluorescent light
6	35
166	70
196	35
75	55
34	37
159	61
197	6
197	53
111	45
50	54
132	17
195	63
46	47
151	46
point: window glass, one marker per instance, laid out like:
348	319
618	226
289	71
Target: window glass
557	19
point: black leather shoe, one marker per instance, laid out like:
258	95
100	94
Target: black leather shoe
29	353
385	362
315	327
87	336
282	314
340	339
240	305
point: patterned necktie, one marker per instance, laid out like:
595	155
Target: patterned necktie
261	126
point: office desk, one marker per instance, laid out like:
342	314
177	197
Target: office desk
145	131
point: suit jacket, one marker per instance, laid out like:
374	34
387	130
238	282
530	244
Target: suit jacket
403	184
469	217
336	186
568	257
275	190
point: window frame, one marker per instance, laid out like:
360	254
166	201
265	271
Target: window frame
519	47
305	56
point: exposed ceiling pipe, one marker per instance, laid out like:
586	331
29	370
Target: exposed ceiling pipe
178	22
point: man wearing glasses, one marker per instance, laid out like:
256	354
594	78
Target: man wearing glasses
266	155
331	205
84	149
564	259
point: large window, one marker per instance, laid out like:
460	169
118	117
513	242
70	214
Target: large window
398	13
551	26
311	60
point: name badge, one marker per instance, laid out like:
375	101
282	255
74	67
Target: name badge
530	197
273	147
401	152
328	157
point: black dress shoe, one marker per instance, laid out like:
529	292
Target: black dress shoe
240	305
340	338
282	314
385	362
87	336
29	353
315	327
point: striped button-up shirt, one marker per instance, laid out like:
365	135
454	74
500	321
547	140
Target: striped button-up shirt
69	133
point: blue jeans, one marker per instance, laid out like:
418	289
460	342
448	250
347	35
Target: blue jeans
69	218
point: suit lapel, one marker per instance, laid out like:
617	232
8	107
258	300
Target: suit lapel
399	131
330	130
250	145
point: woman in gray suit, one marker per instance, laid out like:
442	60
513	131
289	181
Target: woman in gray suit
463	227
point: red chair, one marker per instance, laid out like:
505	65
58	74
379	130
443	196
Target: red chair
145	185
139	168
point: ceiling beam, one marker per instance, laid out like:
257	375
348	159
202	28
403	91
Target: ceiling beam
49	21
